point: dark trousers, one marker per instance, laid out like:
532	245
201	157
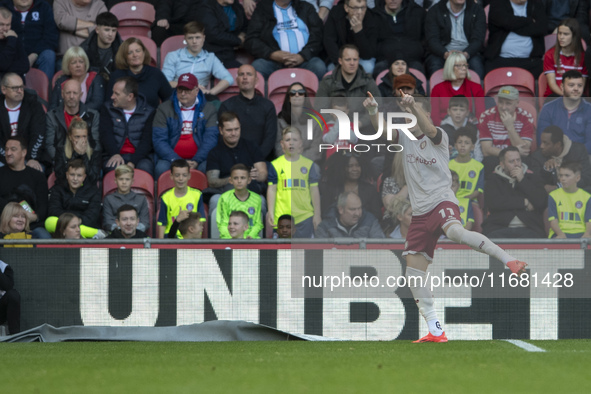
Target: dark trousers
10	311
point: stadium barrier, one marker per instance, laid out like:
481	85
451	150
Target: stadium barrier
159	283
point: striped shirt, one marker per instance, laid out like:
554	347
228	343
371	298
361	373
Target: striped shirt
291	33
491	127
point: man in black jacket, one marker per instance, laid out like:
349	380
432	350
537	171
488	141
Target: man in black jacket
23	116
10	300
37	31
12	49
127	221
257	114
58	119
299	48
401	30
455	26
221	37
515	200
555	149
126	128
77	197
352	23
516	35
172	16
22	183
102	45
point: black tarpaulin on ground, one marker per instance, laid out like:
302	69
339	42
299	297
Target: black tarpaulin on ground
211	331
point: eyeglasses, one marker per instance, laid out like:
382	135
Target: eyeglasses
301	92
362	8
460	65
15	88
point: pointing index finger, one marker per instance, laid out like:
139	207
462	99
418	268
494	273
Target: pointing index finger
370	95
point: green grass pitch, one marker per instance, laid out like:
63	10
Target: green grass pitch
295	367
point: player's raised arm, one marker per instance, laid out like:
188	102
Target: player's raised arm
423	119
371	105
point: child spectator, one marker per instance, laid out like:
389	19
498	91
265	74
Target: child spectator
569	208
285	227
78	197
238	225
188	224
458	116
102	45
294	192
567	54
331	135
124	195
180	198
464	204
470	171
240	199
197	61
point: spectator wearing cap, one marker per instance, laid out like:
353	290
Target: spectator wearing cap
405	83
184	127
505	125
455	26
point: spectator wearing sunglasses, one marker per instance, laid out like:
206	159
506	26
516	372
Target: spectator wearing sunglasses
293	114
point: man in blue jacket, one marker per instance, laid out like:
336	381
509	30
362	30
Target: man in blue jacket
33	22
184	127
126	128
571	113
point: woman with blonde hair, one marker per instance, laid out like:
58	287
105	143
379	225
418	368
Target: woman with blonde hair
75	65
14	223
133	59
401	213
77	147
456	81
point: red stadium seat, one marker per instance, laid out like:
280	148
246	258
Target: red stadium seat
51	180
280	80
38	81
420	76
143	184
171	44
542	86
150	46
521	79
437	78
135	18
55	78
233	89
198	181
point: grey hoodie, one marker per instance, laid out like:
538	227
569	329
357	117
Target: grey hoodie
112	202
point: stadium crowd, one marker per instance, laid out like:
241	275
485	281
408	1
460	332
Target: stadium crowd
108	130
